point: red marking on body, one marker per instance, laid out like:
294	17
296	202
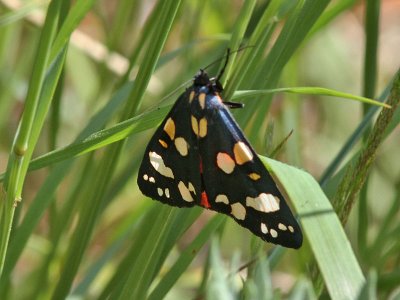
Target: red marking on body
204	200
201	165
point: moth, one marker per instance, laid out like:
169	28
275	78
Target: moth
200	156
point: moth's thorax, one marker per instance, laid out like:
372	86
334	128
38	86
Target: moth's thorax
203	100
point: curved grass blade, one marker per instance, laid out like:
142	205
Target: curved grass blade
329	244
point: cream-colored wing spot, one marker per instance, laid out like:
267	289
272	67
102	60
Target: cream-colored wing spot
158	164
160	191
222	199
242	153
191	188
225	162
238	211
264	202
167	193
169	128
273	233
152	180
282	227
203	127
146	177
264	228
202	100
291	229
182	146
185	192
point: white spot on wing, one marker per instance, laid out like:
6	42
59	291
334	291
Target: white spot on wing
273	233
222	198
264	202
282	227
191	188
146	177
158	164
160	191
238	211
264	228
291	229
151	179
167	193
185	192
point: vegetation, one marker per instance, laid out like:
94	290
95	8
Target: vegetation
83	85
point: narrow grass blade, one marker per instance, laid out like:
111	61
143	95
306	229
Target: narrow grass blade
309	91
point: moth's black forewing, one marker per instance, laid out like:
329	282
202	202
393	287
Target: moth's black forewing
238	185
184	168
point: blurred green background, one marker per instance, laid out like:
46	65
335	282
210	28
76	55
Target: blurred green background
69	69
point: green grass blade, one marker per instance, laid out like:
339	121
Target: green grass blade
371	48
78	11
22	12
25	138
102	138
142	272
309	91
92	207
353	139
323	230
184	260
356	174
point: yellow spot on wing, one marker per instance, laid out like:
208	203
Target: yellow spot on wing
163	143
225	162
254	176
203	127
169	128
242	153
202	100
195	125
191	96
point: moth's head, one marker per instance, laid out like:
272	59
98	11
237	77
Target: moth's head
202	79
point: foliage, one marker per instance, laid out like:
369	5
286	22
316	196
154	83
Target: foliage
83	88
